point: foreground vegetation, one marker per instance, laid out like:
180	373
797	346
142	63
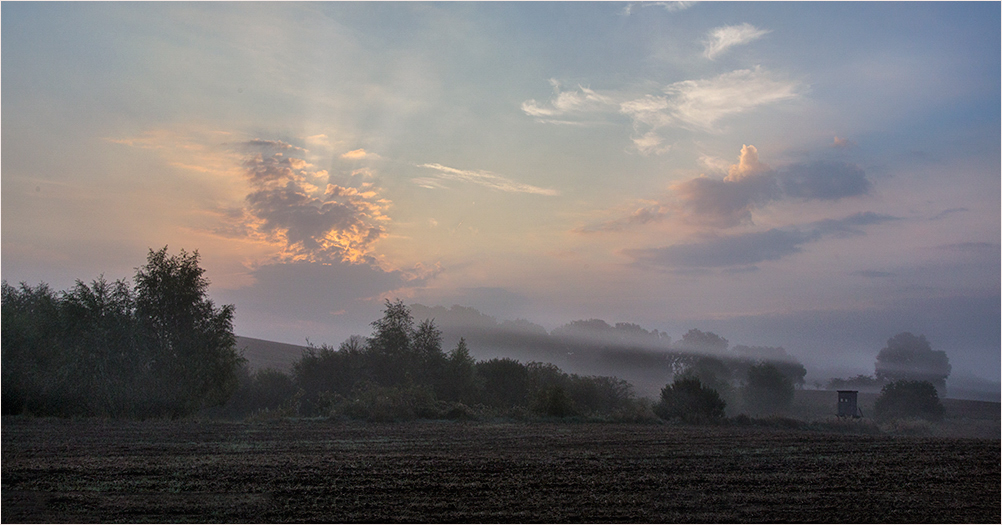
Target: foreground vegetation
313	470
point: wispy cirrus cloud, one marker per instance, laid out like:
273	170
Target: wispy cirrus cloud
483	178
568	105
723	38
702	104
696	105
671	7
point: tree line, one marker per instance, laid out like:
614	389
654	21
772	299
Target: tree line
159	348
402	372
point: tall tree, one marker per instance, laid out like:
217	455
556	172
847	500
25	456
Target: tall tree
189	341
698	341
910	357
768	390
461	383
428	351
391	353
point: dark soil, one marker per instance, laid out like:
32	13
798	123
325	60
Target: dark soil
322	471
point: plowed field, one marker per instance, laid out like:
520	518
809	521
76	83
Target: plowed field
320	471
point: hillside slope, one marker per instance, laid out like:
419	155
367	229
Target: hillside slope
268	354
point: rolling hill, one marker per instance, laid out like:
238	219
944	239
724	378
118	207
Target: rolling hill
268	354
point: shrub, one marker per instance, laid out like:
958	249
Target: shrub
909	399
687	399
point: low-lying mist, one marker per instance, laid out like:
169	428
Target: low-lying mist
648	359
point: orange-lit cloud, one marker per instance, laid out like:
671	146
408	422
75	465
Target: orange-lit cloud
355	154
842	143
315	219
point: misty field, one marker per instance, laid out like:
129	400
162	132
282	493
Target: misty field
90	470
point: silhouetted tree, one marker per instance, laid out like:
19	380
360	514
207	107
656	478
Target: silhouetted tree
909	357
767	389
553	401
431	359
160	349
505	382
713	373
322	371
101	341
391	356
32	350
906	398
461	375
687	399
189	342
698	341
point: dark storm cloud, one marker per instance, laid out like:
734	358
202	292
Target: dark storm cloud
824	180
748	249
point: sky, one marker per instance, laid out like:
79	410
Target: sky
817	176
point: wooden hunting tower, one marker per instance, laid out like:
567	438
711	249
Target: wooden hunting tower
847	404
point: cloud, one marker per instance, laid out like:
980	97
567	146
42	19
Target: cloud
700	105
645	215
298	207
696	105
355	154
671	7
752	248
483	178
946	213
723	38
568	103
824	180
748	185
843	143
728	202
269	145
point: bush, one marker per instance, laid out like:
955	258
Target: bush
687	399
909	399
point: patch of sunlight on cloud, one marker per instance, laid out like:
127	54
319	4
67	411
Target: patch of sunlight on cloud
356	154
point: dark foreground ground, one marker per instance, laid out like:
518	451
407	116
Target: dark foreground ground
309	471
